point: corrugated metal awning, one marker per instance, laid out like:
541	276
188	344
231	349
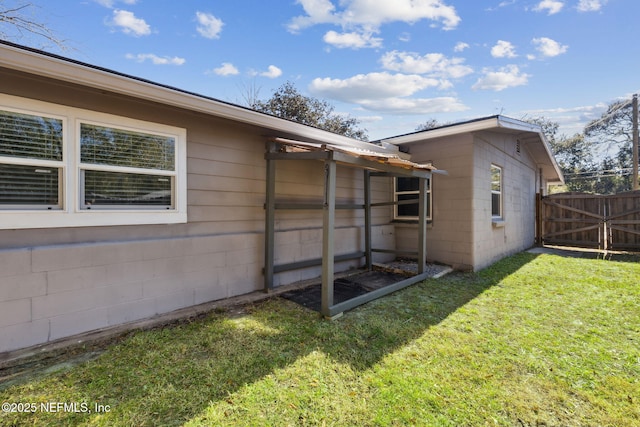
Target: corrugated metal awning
378	160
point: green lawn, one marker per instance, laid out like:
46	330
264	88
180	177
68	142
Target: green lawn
533	340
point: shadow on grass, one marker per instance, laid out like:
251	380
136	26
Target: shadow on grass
171	375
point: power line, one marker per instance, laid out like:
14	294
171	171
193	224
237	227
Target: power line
601	173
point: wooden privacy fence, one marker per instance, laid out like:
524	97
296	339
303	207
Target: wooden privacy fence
590	220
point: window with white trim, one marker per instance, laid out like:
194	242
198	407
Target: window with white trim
496	192
123	169
407	188
67	167
31	161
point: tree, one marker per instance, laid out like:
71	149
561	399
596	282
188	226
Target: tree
16	25
288	103
575	158
573	154
614	127
580	157
549	127
612	133
429	124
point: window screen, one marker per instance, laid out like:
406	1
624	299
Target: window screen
126	189
115	147
117	155
30	149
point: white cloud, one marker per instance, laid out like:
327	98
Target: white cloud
571	120
111	3
505	77
432	64
551	6
226	69
363	87
155	59
272	72
404	37
370	15
352	40
591	5
129	24
502	4
548	48
386	93
583	110
415	105
503	49
210	26
370	119
460	46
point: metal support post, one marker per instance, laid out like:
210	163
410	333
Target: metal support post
328	224
422	225
367	219
269	220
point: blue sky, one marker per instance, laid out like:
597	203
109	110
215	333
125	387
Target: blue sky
392	64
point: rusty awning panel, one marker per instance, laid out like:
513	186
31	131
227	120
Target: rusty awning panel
390	159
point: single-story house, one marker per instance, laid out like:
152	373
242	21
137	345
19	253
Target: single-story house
484	209
122	199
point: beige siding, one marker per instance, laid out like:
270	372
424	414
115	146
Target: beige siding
59	282
462	233
519	188
450	232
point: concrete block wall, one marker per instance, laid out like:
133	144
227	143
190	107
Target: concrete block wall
450	232
517	232
53	292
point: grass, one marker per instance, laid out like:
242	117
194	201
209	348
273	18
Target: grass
533	340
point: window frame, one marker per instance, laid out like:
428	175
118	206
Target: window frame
396	193
70	212
99	167
60	165
500	192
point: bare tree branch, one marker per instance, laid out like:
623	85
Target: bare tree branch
17	26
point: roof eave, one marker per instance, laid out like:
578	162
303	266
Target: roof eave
493	122
58	68
553	172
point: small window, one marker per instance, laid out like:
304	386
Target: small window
496	191
407	189
31	148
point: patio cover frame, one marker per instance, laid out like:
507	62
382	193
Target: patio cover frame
332	156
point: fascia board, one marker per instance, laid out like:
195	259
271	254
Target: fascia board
497	122
551	157
444	131
72	72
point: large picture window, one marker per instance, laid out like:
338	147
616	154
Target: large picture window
496	192
407	189
83	168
